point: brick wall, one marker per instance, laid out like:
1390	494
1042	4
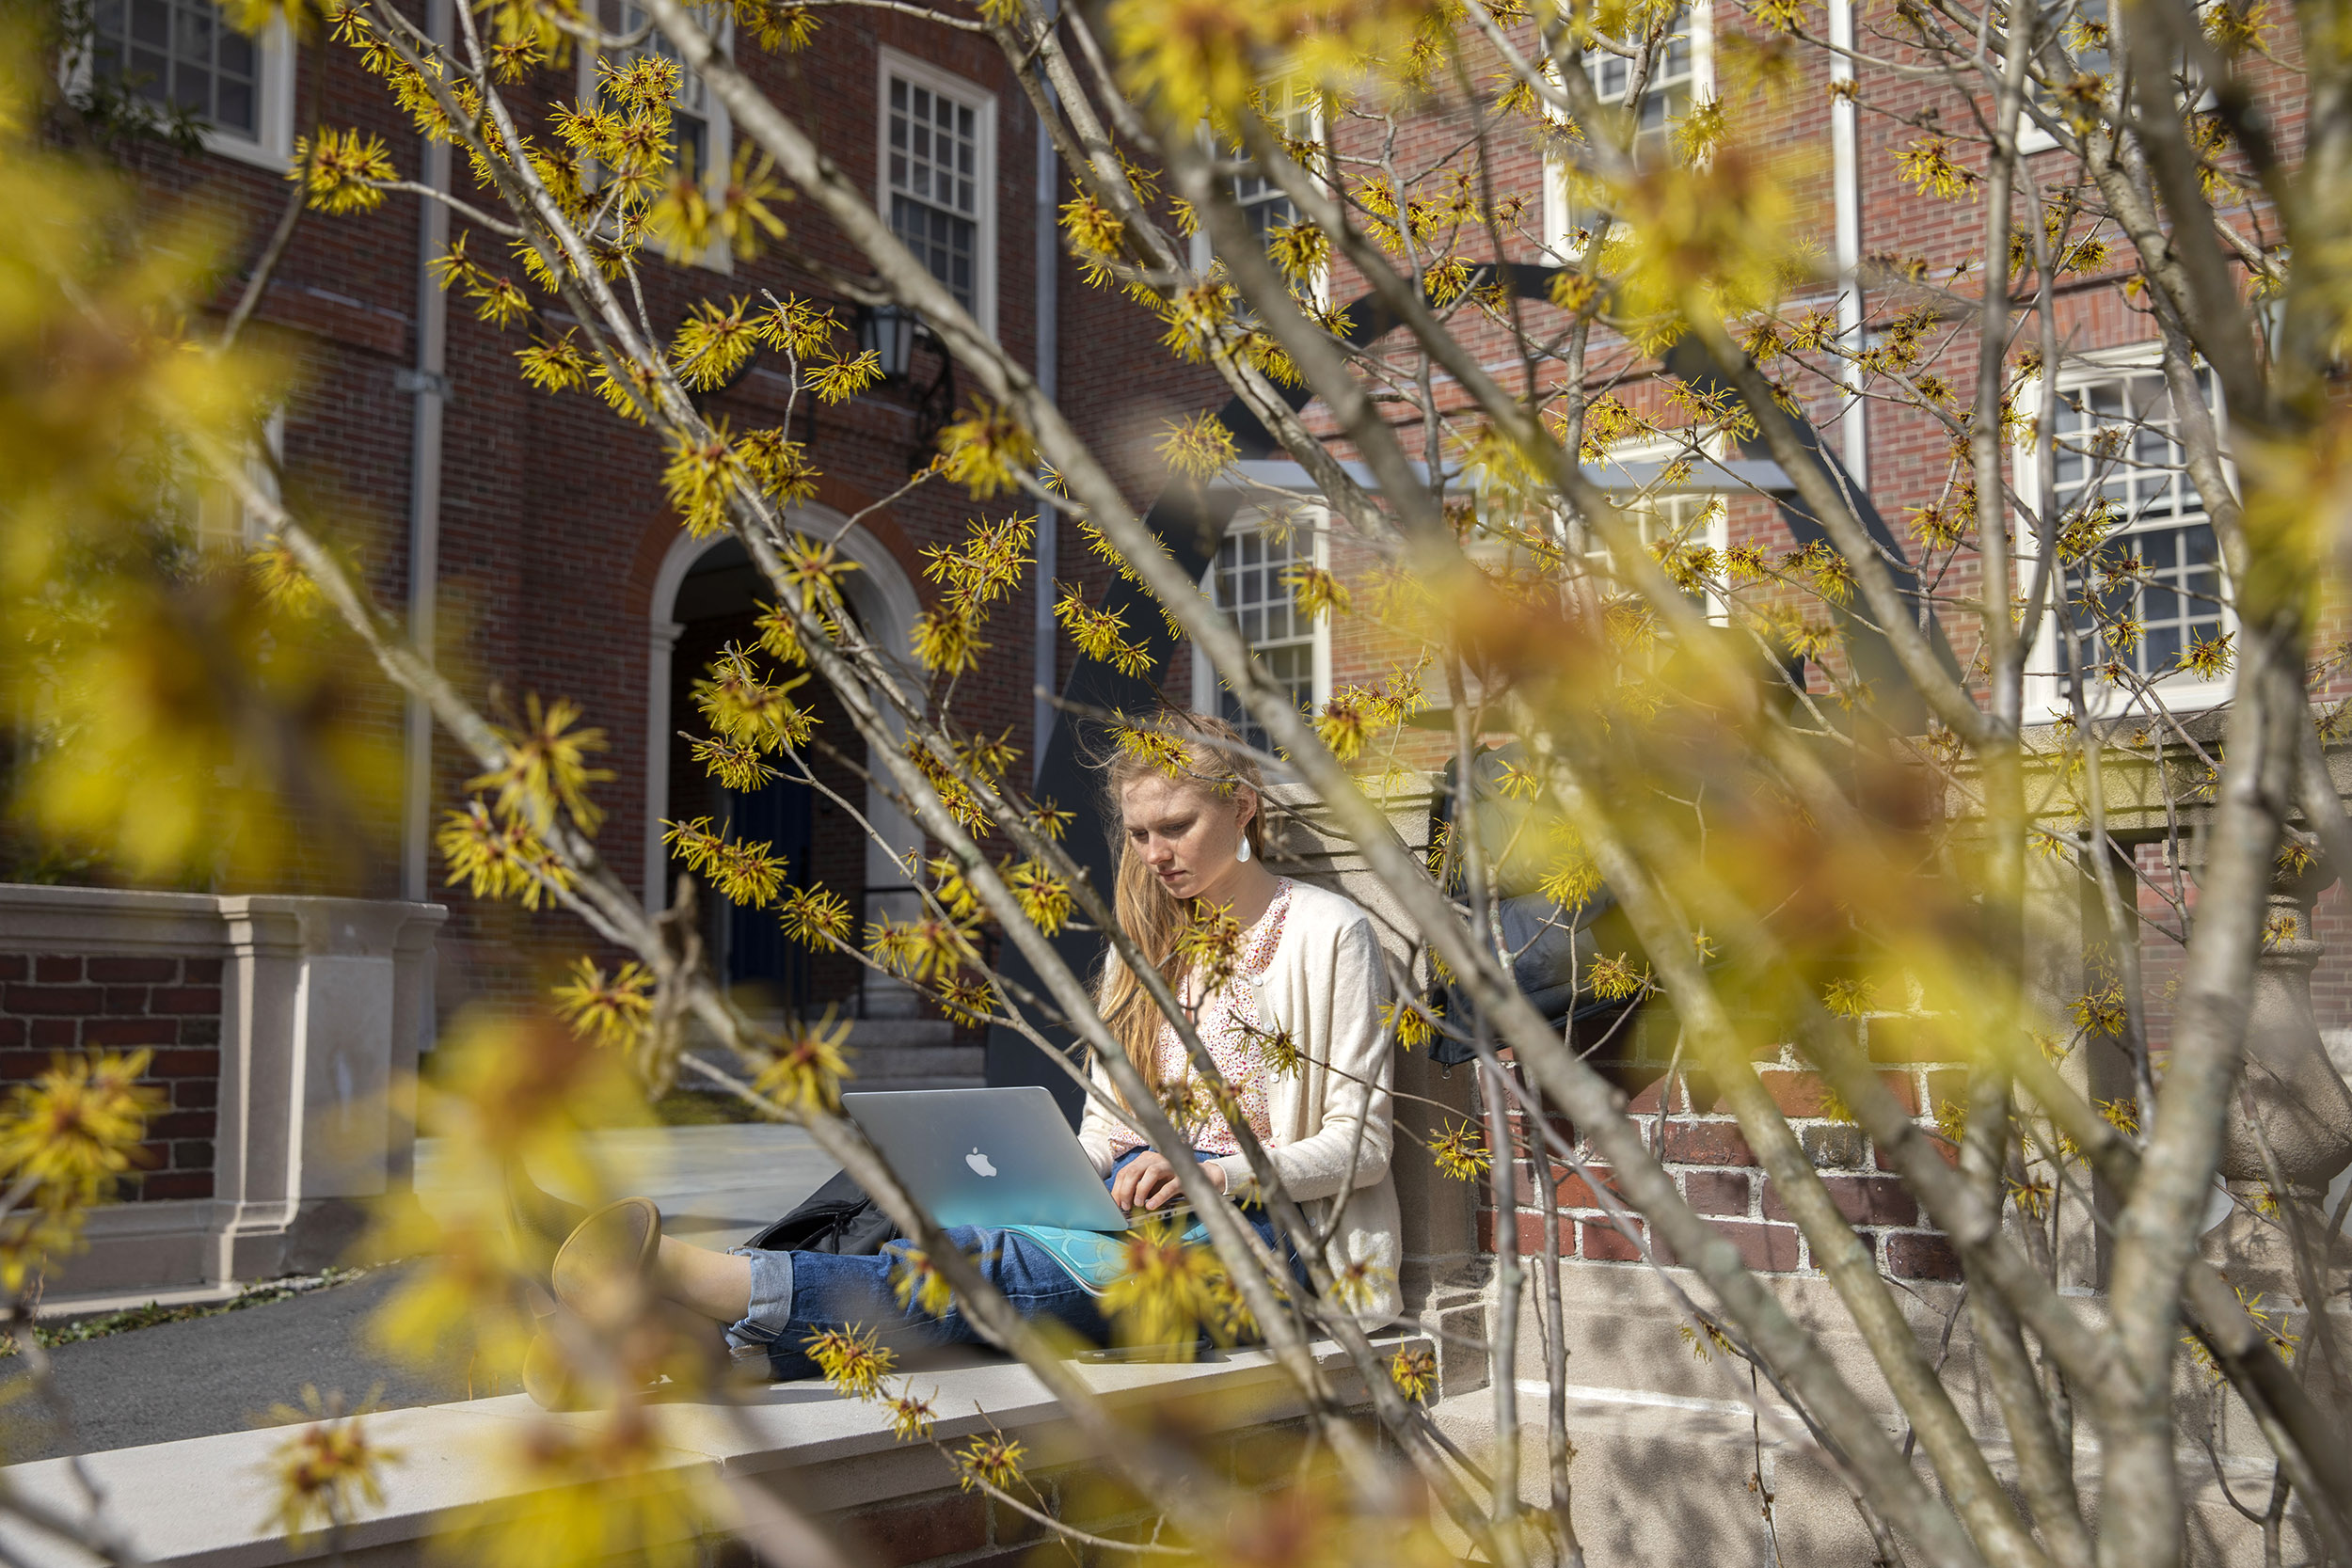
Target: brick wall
522	467
52	1002
1703	1149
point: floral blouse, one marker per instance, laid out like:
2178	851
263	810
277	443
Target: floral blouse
1235	1036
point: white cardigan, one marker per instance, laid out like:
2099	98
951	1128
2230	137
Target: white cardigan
1333	1120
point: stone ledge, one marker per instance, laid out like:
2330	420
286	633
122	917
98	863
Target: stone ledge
203	1502
36	916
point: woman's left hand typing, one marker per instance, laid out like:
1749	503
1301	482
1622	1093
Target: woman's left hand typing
1149	1182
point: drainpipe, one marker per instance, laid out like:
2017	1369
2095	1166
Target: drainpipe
1048	306
428	383
1846	181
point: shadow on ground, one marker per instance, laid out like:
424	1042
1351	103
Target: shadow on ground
716	1184
210	1375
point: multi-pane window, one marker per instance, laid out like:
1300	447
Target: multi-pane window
1247	583
1672	78
692	124
1689	520
1678	73
935	179
1292	110
181	53
2159	568
2075	29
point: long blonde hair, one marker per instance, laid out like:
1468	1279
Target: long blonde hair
1150	916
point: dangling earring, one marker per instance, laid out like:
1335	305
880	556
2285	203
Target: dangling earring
1242	854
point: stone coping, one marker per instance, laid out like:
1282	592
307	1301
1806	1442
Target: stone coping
205	1502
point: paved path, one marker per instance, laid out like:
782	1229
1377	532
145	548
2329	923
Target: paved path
716	1185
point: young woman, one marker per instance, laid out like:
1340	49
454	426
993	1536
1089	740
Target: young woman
1308	967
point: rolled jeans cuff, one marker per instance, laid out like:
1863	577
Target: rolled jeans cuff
770	1311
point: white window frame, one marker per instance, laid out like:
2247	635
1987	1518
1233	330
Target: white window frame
719	257
1668	450
1558	209
1206	693
2044	691
982	103
223	519
1202	255
2031	137
271	146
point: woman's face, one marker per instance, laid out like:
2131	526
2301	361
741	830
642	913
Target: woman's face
1186	833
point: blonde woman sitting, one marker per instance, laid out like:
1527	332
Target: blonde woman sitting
1307	968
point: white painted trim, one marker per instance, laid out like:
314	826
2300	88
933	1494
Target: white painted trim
1665	451
1044	635
662	635
271	146
892	62
1204	686
885	603
1202	256
1846	189
2044	694
426	426
223	520
1557	204
718	256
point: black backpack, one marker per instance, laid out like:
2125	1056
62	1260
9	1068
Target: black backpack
837	1217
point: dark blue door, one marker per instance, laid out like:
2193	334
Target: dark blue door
758	950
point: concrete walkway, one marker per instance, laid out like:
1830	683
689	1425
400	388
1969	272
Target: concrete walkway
206	1376
716	1185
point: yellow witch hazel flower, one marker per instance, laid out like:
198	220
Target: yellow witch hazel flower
919	1286
608	1491
1199	446
326	1470
1461	1153
747	872
1615	978
344	170
986	451
851	1360
76	1128
815	917
992	1459
1167	1291
1100	634
807	1065
911	1416
739	701
607	1011
1415	1022
498	859
1414	1371
546	765
278	573
1044	897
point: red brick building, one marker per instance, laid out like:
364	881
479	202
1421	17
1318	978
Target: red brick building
529	532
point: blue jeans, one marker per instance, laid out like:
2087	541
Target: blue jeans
797	1294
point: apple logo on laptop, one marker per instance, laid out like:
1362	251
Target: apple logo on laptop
979	1164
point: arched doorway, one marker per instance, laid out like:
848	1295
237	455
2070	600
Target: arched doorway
716	607
706	596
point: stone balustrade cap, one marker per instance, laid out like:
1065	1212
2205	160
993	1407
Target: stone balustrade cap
207	1502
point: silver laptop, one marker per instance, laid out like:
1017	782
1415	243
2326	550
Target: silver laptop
986	1156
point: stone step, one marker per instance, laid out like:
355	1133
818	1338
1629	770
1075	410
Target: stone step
877	1034
895	1061
899	1054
